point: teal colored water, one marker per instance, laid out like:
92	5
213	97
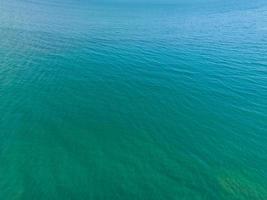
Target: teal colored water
132	100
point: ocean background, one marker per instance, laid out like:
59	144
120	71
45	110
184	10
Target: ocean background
133	99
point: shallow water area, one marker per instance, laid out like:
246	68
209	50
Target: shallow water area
132	100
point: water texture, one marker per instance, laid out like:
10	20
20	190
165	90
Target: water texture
133	100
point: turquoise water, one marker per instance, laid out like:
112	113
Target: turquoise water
131	100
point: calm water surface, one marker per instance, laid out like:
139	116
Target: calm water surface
129	100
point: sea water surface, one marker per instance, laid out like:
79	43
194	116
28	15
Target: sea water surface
133	100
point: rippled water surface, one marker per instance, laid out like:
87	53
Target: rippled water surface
124	100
